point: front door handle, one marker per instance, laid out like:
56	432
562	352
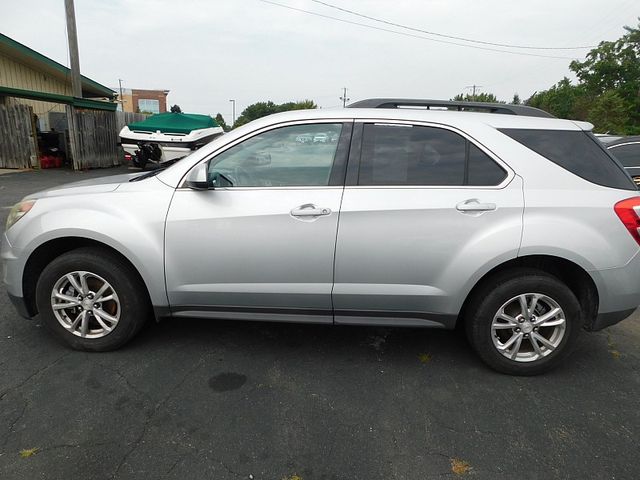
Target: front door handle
310	210
474	205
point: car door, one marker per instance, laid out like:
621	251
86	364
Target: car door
425	211
260	242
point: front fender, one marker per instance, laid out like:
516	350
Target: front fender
129	220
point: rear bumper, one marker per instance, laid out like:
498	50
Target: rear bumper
604	320
618	292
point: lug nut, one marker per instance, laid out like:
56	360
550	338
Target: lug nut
96	305
517	329
521	320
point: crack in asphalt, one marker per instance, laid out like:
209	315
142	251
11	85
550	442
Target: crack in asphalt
13	424
150	417
175	464
27	402
34	374
124	378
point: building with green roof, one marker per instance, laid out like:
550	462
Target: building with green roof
31	78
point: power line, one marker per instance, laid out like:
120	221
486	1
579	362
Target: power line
413	35
473	87
530	47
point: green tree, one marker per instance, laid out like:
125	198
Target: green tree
516	99
564	100
262	109
608	113
479	97
608	89
220	121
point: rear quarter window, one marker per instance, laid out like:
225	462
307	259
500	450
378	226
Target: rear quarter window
576	151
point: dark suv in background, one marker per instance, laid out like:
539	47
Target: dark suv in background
627	151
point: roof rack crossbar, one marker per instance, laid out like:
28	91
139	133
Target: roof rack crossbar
503	108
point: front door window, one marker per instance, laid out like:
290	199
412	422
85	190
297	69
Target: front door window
300	155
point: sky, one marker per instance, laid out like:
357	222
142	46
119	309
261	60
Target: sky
207	52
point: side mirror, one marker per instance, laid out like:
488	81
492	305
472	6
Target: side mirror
197	178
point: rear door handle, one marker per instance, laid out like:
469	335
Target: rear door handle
473	205
310	210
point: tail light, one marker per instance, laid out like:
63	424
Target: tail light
628	212
127	157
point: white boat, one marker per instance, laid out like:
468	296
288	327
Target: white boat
167	137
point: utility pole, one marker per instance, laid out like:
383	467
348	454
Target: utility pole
121	96
74	57
344	97
233	103
473	95
76	87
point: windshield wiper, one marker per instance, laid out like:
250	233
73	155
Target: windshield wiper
152	173
160	168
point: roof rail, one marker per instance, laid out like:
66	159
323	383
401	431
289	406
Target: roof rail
503	108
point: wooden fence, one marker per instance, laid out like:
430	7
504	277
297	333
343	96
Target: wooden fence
93	137
124	118
17	140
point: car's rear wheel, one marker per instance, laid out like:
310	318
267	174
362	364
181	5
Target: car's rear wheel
523	322
91	300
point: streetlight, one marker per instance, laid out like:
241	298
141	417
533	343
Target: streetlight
233	102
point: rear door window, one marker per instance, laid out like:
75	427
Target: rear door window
576	151
395	154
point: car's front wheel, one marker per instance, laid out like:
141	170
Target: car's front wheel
524	322
91	300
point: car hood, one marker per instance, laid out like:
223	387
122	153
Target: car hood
94	185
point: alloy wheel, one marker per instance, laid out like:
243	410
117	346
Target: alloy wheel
85	304
528	327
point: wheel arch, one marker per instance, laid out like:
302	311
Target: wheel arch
49	250
573	275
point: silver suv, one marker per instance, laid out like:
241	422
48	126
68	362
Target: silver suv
520	228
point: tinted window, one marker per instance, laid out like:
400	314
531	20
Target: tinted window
300	155
411	155
482	169
577	152
414	155
629	155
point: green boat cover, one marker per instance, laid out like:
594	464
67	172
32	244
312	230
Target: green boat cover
174	123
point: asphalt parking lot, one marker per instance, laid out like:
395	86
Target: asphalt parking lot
228	400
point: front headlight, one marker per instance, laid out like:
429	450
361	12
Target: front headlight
18	211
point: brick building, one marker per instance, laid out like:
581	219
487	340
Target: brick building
137	100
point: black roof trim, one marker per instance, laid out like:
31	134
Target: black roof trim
503	108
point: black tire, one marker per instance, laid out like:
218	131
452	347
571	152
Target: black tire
490	297
134	307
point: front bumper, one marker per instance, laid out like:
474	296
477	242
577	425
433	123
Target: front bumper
20	306
11	269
